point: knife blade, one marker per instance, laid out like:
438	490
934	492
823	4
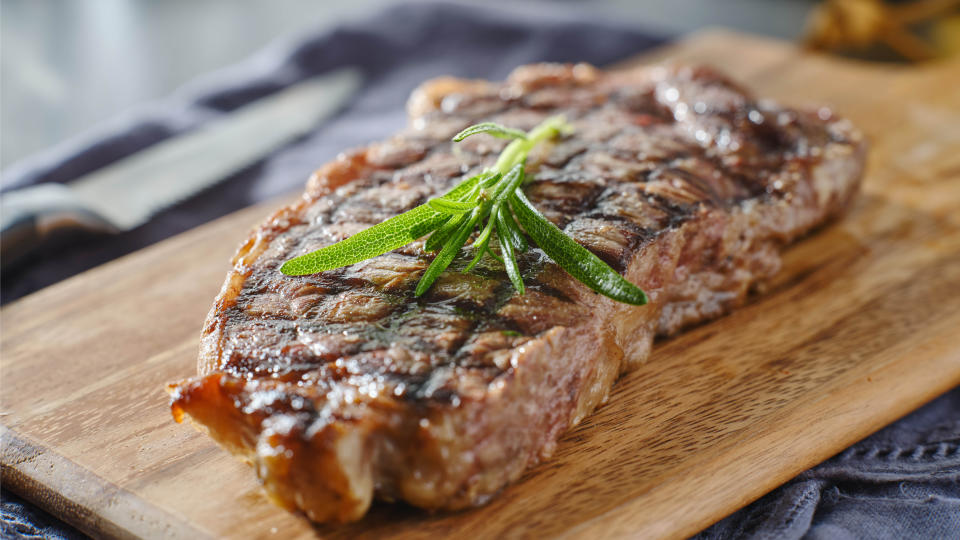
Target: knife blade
126	193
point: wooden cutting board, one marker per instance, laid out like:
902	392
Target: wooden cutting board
861	327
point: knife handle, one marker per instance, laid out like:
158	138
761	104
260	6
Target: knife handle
30	216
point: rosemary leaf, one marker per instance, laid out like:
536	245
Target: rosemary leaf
510	183
447	254
393	233
490	128
509	257
439	238
490	179
446	206
482	241
508	228
578	261
494	255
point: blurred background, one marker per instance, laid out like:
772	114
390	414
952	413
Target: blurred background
67	65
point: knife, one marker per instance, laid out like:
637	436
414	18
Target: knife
126	193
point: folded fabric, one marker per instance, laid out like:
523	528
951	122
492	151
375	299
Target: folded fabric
903	482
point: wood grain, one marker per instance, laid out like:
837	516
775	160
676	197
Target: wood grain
859	329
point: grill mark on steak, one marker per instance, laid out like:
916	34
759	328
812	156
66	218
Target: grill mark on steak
341	385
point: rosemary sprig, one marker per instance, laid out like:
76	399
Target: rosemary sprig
490	199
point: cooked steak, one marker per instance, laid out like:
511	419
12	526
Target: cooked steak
343	385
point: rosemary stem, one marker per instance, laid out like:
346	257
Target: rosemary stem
517	150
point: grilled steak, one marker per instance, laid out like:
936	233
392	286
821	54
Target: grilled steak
343	385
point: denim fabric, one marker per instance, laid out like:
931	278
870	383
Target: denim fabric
22	521
900	483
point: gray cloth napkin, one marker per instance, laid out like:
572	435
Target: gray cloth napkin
900	483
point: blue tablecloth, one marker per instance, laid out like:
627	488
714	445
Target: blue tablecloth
903	482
